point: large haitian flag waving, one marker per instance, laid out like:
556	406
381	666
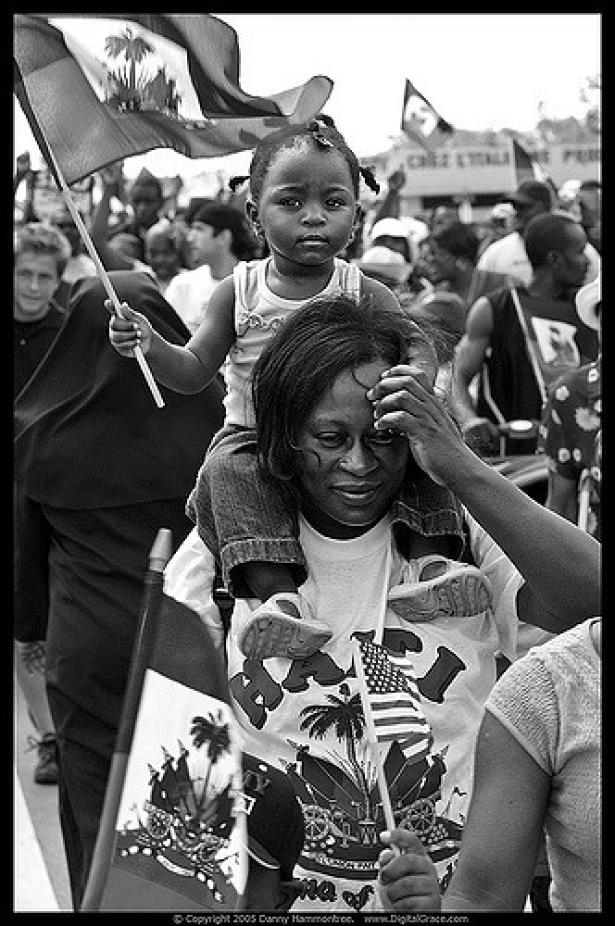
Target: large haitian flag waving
101	87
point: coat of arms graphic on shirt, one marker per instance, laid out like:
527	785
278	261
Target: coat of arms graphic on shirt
341	804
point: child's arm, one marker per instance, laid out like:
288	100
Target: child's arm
188	368
408	879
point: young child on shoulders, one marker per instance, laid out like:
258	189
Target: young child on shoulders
304	203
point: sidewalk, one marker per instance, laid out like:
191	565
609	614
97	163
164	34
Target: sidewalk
40	880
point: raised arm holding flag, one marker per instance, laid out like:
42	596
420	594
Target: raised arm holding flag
179	88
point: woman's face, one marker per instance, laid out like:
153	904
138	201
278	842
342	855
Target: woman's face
350	473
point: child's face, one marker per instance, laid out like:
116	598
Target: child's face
308	206
162	257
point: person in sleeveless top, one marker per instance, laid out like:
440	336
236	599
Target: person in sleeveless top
304	191
520	340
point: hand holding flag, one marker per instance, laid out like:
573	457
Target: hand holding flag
179	89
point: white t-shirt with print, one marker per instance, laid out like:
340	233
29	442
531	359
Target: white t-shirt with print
304	716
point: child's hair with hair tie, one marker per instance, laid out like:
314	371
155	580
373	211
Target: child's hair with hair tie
322	130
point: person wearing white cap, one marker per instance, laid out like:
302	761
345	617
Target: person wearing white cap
571	425
508	255
389	250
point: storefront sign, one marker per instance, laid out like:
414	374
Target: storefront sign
486	169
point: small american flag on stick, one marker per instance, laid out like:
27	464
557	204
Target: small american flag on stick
391	700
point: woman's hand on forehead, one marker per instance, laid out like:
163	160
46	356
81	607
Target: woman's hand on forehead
404	401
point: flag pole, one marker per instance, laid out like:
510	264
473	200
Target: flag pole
102	273
159	555
372	738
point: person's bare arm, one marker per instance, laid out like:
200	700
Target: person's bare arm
391	203
185	369
536	540
562	496
99	230
469	356
502	833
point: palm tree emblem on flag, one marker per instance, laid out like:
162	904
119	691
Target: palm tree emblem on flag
129	92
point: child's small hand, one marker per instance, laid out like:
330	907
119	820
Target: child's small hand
128	332
408	880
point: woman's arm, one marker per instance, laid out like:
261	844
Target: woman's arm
559	562
186	369
502	834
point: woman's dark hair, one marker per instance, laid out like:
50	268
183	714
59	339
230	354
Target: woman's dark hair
319	341
322	131
459	239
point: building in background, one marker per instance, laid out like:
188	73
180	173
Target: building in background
474	170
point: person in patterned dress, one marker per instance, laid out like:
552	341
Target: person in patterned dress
570	430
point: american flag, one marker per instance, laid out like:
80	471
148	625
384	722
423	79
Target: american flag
393	701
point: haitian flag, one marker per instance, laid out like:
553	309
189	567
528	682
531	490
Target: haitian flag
99	88
527	167
173	833
421	122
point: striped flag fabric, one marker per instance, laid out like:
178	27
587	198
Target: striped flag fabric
392	701
421	122
173	832
97	88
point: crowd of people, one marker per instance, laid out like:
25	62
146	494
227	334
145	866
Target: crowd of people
335	382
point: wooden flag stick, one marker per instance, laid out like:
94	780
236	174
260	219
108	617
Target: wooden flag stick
102	273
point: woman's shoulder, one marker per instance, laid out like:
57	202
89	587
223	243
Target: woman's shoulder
566	653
